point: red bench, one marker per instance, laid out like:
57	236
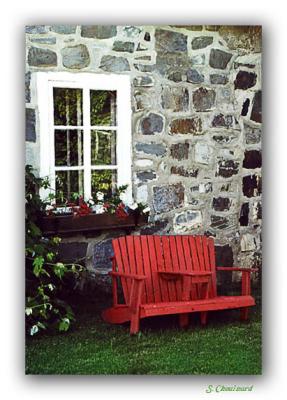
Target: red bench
170	275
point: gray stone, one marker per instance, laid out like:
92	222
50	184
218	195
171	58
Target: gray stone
244	214
242	37
224	139
245	80
41	57
37	29
44	40
156	149
187	220
185	172
156	227
219	59
73	252
143	81
220	120
64	29
175	76
193	76
256	113
245	107
175	99
227	168
145	176
168	41
179	151
189	27
27	87
252	135
219	222
217	79
147	37
252	159
168	62
102	253
30	125
186	125
203	99
151	124
251	185
199	59
132	31
144	67
124	46
99	31
201	42
75	57
114	64
221	203
168	197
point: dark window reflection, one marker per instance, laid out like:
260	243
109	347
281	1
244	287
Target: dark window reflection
103	148
68	185
68	106
68	148
103	107
103	181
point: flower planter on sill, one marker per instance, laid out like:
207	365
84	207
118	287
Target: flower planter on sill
62	224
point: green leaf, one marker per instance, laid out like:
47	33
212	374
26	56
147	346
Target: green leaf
59	269
64	324
38	264
50	256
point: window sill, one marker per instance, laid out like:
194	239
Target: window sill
68	224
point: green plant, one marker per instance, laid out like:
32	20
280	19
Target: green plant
48	280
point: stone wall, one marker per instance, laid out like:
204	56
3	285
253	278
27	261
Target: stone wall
196	124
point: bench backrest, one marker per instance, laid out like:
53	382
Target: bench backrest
146	255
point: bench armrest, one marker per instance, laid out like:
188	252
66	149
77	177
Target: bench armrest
124	275
237	269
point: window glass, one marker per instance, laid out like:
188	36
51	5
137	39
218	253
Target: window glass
68	106
103	181
103	107
69	148
68	183
103	147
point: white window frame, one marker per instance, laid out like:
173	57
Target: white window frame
45	82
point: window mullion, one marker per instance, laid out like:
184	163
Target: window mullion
87	143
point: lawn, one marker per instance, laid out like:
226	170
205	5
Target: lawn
226	347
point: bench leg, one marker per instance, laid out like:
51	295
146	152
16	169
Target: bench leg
244	314
203	318
135	324
183	320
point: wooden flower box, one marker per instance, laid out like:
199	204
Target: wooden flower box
67	224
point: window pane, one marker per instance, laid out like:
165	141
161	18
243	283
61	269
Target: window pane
67	184
103	107
68	106
103	148
68	148
103	181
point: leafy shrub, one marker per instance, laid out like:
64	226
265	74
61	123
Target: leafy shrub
48	280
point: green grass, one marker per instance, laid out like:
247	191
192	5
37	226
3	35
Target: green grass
226	347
